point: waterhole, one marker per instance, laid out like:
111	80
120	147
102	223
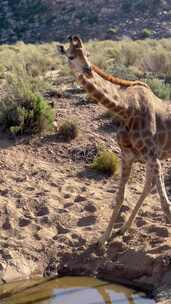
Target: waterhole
69	290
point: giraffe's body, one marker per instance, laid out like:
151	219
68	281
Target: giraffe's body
146	127
133	105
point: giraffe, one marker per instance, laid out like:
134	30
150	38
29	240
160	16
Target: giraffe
145	134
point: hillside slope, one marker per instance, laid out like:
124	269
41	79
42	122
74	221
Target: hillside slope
47	20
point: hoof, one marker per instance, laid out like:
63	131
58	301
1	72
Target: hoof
120	231
103	241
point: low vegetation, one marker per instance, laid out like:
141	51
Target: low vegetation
24	81
160	88
29	115
145	60
146	33
23	107
68	130
106	162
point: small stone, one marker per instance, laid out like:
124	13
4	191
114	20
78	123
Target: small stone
43	210
67	195
24	222
83	189
45	220
67	205
80	199
61	229
90	207
86	221
4	192
37	237
6	225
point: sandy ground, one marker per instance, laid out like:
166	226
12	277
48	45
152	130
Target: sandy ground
54	208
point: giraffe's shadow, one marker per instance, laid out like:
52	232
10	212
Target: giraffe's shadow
53	137
7	140
108	127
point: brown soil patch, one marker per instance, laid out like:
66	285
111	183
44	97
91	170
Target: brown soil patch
52	214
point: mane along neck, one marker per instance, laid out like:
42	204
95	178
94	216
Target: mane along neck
116	80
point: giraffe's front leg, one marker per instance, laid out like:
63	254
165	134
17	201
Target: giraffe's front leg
147	188
126	170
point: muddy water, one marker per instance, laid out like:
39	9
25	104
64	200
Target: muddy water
69	290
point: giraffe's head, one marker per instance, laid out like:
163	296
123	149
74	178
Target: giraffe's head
77	56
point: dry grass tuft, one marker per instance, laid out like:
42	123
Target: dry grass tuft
106	162
68	130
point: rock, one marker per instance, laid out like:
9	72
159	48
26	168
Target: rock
86	221
61	229
90	207
79	199
24	222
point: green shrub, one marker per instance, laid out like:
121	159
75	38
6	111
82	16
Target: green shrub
146	33
122	71
23	108
68	130
107	115
161	89
113	30
31	115
157	60
106	162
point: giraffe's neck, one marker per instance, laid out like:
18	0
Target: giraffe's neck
106	94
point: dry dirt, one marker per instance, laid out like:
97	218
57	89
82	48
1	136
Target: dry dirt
54	208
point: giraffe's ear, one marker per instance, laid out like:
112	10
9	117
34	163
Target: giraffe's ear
77	42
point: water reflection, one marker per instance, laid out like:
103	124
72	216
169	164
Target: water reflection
69	290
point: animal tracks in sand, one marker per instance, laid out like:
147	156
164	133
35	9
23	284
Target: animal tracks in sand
50	208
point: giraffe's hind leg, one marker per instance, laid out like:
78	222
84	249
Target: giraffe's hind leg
165	203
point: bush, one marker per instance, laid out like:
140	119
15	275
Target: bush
113	30
146	33
161	89
68	130
157	60
23	109
107	115
106	162
32	115
123	72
